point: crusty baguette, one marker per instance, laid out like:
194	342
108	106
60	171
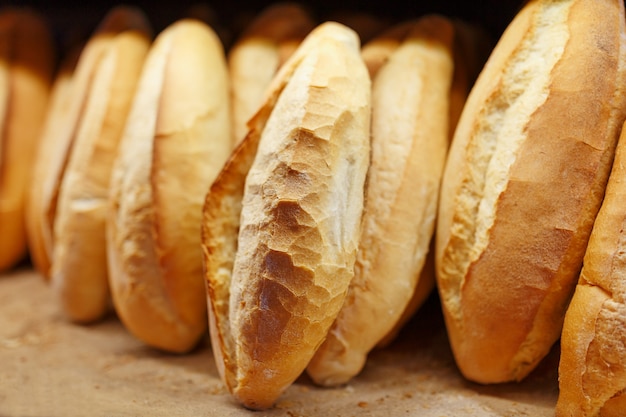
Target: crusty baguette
78	271
40	237
276	287
470	51
412	89
592	369
176	141
524	180
59	139
258	53
27	60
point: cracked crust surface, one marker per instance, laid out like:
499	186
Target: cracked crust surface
300	219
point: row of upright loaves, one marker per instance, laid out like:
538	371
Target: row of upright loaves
302	192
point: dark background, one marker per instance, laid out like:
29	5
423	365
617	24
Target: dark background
71	19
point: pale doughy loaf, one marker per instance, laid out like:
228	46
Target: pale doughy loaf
592	369
27	60
78	271
524	180
276	287
410	108
176	141
258	54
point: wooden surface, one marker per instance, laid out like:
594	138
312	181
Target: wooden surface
49	367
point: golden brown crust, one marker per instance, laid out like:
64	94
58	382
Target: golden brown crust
412	88
176	141
178	181
592	369
220	226
26	66
79	272
470	50
293	262
65	130
615	406
525	178
40	239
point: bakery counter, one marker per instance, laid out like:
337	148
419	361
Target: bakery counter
50	367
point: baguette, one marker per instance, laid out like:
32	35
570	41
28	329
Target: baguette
275	287
524	180
592	368
176	140
59	138
412	88
78	271
27	59
471	48
40	236
254	59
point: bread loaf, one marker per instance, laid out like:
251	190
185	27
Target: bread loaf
38	225
411	89
78	271
470	50
27	59
260	50
276	287
176	140
592	369
58	137
524	180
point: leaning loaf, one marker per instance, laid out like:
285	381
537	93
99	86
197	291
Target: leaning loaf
38	223
176	140
592	369
524	180
78	272
412	88
276	287
26	67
